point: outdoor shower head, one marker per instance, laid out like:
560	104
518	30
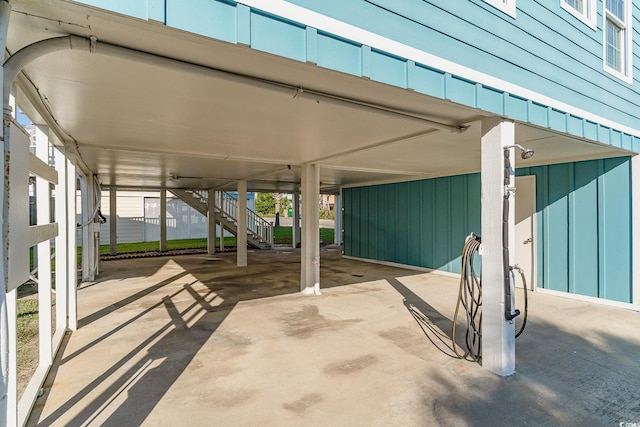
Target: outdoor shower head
525	153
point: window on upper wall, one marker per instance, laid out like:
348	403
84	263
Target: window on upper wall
617	38
584	10
507	6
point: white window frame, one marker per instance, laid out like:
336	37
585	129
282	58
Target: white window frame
626	74
507	6
588	16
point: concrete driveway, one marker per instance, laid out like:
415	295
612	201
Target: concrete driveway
193	340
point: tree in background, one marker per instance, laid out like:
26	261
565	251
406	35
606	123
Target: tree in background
265	204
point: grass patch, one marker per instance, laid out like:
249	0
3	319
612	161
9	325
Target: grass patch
281	236
28	334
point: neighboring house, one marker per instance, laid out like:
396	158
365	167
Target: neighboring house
138	215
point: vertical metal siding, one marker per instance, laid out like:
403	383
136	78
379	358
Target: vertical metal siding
583	224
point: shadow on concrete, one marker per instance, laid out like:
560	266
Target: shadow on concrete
168	350
563	378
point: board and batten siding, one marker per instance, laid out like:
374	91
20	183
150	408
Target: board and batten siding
583	217
544	50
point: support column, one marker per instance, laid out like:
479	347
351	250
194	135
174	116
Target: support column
295	225
43	213
498	334
242	224
113	221
88	242
61	242
163	221
72	243
220	204
211	221
310	257
337	224
6	360
635	227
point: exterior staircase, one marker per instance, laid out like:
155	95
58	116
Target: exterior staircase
259	231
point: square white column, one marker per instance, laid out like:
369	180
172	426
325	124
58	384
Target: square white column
635	226
310	256
211	221
295	224
242	224
113	221
163	221
498	334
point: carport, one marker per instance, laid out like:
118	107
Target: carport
131	103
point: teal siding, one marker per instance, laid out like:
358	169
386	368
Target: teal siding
584	227
421	223
544	49
583	224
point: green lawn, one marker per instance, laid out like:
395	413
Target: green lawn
281	236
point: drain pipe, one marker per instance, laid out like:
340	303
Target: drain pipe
17	61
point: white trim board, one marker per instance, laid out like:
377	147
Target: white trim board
333	26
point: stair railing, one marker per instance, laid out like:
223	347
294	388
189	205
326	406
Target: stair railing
256	225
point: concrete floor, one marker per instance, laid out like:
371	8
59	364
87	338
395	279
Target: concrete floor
192	340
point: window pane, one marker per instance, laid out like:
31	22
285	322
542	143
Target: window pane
613	48
616	7
576	4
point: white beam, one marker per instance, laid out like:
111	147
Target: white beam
72	243
40	168
50	231
43	232
635	227
242	224
113	221
211	222
295	225
337	224
61	243
310	257
498	334
163	220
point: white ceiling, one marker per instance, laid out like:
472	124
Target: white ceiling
150	125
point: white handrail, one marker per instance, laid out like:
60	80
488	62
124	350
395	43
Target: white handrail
227	205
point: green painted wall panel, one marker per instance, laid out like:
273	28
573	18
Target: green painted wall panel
583	224
402	223
428	223
414	230
556	243
616	225
584	233
442	235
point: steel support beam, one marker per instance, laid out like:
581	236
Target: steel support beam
498	334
